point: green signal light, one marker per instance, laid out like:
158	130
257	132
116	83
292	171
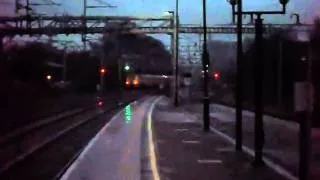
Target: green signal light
127	67
128	114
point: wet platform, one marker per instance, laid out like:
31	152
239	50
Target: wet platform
184	151
151	139
114	153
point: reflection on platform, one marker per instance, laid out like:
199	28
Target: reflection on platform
128	114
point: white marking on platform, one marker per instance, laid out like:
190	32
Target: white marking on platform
221	116
209	161
179	130
191	142
225	149
277	168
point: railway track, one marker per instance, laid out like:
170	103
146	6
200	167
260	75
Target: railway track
20	149
40	123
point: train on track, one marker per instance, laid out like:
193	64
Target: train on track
147	81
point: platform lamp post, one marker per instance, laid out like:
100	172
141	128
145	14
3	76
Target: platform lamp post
175	50
205	66
172	44
239	100
303	108
258	67
176	54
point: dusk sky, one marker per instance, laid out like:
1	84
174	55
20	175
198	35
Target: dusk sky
190	10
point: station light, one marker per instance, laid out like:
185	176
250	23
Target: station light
49	77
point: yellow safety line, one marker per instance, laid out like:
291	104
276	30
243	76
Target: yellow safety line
152	153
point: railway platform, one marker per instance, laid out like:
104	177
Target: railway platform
184	151
150	139
114	153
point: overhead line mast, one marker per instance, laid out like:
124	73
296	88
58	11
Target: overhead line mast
85	8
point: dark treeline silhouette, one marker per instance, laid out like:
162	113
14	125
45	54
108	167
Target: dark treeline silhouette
28	65
82	71
24	70
277	48
142	52
27	68
24	87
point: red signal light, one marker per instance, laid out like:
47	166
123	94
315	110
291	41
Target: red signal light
216	76
103	71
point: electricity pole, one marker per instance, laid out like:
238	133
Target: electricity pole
258	67
239	93
205	64
172	25
239	99
280	63
176	55
84	36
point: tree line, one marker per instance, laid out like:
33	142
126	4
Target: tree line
25	68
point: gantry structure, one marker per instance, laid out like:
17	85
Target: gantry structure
54	25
